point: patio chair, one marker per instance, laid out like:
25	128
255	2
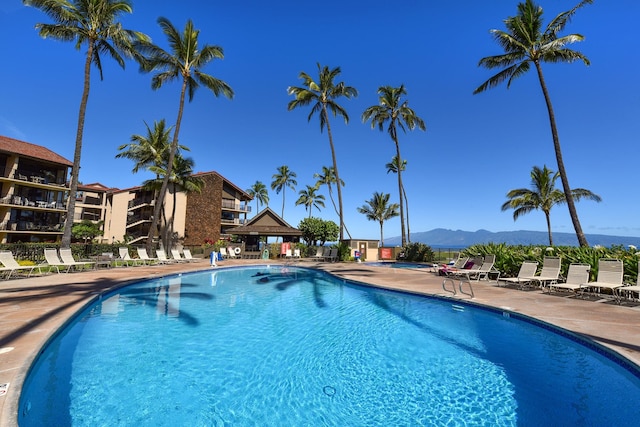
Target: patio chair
288	254
175	254
223	252
479	270
577	275
231	252
52	260
550	272
628	292
162	257
610	275
67	258
11	265
332	256
296	253
319	256
187	255
125	259
144	256
525	275
457	265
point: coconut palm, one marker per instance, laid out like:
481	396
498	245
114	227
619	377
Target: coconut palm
322	96
93	23
542	195
310	198
259	192
184	62
181	179
283	179
393	167
397	113
379	209
524	44
328	178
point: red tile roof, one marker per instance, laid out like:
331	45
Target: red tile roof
27	149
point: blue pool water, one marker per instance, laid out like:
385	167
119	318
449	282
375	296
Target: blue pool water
296	347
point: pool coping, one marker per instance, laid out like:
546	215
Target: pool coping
33	309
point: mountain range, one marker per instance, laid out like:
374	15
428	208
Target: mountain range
443	238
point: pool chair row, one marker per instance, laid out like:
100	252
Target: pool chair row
160	258
475	268
325	253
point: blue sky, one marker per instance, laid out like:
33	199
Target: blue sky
476	147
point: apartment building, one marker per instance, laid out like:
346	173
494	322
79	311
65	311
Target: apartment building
34	192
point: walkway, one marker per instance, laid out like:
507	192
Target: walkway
32	309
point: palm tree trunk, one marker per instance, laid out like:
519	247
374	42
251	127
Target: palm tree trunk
335	208
335	170
165	181
381	235
406	202
75	170
582	240
548	217
400	186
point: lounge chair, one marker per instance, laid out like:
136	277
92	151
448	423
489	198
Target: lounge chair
332	256
550	272
629	292
144	256
577	275
125	259
175	254
187	255
296	253
457	265
52	260
319	256
11	265
67	258
162	257
480	269
610	276
288	254
223	252
231	253
525	275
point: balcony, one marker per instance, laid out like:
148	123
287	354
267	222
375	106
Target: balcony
235	206
25	203
140	202
233	221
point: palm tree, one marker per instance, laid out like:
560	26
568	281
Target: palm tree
393	167
310	198
328	178
398	114
379	209
93	23
259	192
322	95
542	195
181	178
184	62
283	179
524	45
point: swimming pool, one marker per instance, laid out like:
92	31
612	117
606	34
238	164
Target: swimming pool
394	264
292	346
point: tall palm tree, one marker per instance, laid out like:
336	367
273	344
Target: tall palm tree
184	62
393	110
393	167
524	44
283	179
93	23
310	199
542	195
181	179
259	192
328	178
322	96
379	209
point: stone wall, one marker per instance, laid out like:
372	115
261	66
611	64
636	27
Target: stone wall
204	211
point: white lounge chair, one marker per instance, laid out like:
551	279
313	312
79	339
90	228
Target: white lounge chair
144	256
67	258
52	260
11	265
175	254
525	275
288	254
125	259
577	275
231	253
550	272
459	264
319	256
610	276
223	252
162	257
629	292
296	253
481	272
187	255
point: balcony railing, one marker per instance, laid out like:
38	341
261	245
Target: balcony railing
236	206
135	203
233	221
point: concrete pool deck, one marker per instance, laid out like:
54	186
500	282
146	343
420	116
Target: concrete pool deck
32	309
